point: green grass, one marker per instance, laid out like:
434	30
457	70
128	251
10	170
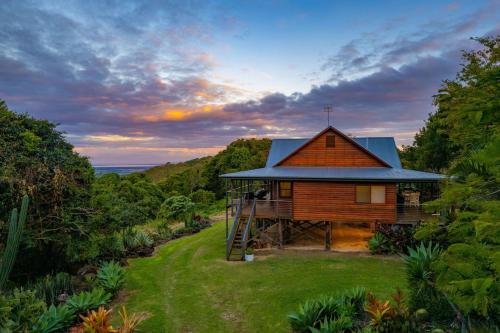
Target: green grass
189	287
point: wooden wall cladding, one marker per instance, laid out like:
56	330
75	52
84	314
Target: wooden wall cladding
336	201
344	154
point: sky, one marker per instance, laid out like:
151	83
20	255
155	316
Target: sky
149	82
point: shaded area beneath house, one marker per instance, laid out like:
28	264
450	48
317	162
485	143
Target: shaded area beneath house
346	237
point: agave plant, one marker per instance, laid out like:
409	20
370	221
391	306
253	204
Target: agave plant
339	325
418	265
111	276
55	319
88	300
309	315
376	244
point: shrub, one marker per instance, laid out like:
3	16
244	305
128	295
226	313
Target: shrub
177	208
330	312
202	197
50	287
142	239
19	310
377	244
55	319
164	231
391	239
111	276
112	247
88	300
136	239
421	277
338	325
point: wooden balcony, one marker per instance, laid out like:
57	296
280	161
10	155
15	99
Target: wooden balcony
269	208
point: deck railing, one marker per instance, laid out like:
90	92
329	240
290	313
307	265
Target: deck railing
407	214
269	208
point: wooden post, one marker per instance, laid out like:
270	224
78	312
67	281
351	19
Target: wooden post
328	235
227	207
280	234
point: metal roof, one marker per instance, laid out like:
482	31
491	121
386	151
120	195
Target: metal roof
337	173
382	147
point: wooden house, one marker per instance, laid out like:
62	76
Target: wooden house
310	185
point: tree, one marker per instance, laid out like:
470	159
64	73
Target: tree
36	160
467	115
468	270
177	208
242	154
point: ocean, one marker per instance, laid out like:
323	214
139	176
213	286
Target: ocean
120	169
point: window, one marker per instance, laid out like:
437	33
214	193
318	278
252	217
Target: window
378	194
285	189
363	194
330	141
370	194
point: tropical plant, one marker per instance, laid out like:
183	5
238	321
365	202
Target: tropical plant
88	300
110	276
379	311
16	227
55	319
421	277
97	321
377	244
130	323
6	322
51	287
309	314
25	309
338	325
345	309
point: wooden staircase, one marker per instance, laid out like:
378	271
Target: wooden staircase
237	240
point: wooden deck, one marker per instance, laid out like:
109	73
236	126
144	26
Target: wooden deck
270	209
283	209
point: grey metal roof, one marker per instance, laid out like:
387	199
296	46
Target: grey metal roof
337	173
383	147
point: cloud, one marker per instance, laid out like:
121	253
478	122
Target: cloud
131	82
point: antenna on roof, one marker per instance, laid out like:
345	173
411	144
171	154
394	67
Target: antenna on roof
328	109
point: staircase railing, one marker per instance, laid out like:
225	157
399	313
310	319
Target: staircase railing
246	233
234	230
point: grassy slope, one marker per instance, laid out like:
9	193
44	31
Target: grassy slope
189	287
161	172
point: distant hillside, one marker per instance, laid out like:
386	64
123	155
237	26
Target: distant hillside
203	173
162	172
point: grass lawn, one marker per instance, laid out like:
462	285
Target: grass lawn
189	287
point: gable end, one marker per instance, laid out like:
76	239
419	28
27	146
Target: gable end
345	152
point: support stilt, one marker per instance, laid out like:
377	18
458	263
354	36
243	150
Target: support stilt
328	235
280	234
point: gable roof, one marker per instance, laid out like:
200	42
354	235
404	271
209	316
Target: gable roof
337	132
382	147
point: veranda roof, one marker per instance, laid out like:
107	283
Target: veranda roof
337	174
